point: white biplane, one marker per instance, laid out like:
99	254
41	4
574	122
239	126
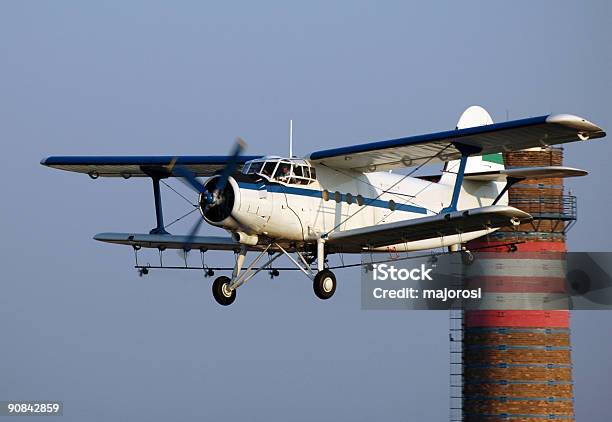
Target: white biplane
346	200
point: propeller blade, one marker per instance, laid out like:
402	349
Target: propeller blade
188	177
231	165
192	234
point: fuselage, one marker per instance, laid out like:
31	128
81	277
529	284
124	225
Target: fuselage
302	209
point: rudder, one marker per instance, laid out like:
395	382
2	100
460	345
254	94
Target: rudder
473	116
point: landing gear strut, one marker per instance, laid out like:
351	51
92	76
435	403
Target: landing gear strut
224	288
324	281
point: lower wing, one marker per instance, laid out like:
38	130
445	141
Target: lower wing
167	241
452	223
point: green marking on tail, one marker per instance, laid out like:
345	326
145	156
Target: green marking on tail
494	158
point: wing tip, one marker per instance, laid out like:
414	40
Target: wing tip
587	129
507	210
108	237
575	172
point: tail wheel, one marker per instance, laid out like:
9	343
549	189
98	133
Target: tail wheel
221	292
324	284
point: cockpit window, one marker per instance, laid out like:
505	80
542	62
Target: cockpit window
298	170
255	167
284	170
301	175
268	168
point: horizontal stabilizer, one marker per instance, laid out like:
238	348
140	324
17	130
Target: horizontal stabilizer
526	173
447	224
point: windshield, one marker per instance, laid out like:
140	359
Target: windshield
293	172
254	168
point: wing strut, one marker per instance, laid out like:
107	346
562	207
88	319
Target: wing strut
156	175
509	182
465	150
159	215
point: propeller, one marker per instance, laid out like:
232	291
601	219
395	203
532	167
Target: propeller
231	165
209	198
194	183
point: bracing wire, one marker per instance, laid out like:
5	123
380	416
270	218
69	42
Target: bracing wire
179	194
402	196
182	216
195	206
427	186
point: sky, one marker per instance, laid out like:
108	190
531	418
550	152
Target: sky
187	77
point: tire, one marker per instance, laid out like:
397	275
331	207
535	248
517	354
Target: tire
219	291
324	284
467	257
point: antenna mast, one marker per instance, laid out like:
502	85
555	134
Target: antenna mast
290	138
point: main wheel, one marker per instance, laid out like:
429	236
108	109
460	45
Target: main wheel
324	284
467	257
221	292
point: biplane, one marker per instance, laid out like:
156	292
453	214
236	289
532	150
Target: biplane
345	200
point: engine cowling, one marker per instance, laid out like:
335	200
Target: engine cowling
224	206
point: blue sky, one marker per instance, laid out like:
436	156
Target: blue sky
187	78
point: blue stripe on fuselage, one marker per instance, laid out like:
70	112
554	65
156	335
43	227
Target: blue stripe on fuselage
291	190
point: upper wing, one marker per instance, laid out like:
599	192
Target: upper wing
126	166
438	147
430	227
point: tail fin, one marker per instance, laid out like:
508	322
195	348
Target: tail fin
471	117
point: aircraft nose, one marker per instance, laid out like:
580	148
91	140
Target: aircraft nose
216	205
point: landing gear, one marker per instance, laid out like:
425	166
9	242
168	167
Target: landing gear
324	281
224	288
221	291
324	284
